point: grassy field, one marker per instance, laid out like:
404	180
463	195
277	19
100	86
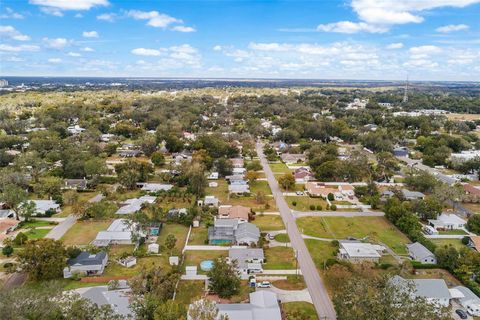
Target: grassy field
279	258
83	197
179	231
473	207
198	236
292	283
268	222
279	168
189	291
304	203
452	232
36	224
257	186
36	233
84	232
282	237
299	310
320	251
377	229
457	243
463	116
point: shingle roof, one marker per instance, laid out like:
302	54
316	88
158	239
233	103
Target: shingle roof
418	251
87	259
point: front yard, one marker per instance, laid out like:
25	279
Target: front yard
279	168
268	222
377	229
279	258
320	251
303	203
299	310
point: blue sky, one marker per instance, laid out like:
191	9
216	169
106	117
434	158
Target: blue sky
352	39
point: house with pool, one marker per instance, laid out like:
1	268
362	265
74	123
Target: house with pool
233	231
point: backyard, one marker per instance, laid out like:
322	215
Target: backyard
179	231
84	232
198	236
194	257
377	229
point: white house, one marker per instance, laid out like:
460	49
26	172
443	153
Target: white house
155	187
419	253
133	205
356	251
128	262
434	291
469	301
213	176
42	206
119	232
447	221
248	260
86	264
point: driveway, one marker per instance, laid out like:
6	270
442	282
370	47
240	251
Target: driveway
290	295
60	229
316	287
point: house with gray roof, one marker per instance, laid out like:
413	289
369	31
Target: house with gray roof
42	206
239	188
263	305
412	195
119	232
232	231
86	264
434	291
119	300
133	205
155	187
469	301
7	214
248	260
75	184
419	253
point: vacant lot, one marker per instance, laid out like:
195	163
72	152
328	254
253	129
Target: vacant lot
293	282
83	197
463	116
303	203
377	229
279	258
279	168
179	231
189	291
320	251
268	222
299	310
457	243
262	186
84	232
198	236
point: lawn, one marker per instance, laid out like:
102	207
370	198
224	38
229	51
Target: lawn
304	203
377	229
198	236
179	231
282	237
457	243
36	224
189	291
36	233
268	222
292	283
115	269
299	310
261	185
279	258
452	232
279	168
84	232
320	251
193	258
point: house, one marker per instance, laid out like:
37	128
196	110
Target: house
234	212
239	188
7	214
233	231
248	260
400	152
133	205
191	270
153	248
128	262
356	251
209	201
8	225
371	127
263	305
75	184
235	177
42	206
106	137
412	195
434	291
213	176
175	213
155	187
129	153
86	264
237	162
474	242
419	253
447	221
386	194
317	189
303	174
347	190
471	190
119	232
119	299
469	301
292	158
238	171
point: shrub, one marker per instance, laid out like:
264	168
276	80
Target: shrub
312	207
20	239
319	208
7	251
294	203
331	197
465	240
333	207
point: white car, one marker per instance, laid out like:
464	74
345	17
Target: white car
270	236
264	284
299	193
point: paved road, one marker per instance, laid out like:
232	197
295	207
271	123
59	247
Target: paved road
299	214
60	229
316	287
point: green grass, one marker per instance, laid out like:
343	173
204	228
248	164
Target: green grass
84	232
320	251
36	223
36	233
257	186
72	284
189	291
378	229
304	203
193	258
279	258
179	231
457	243
279	168
268	222
453	232
293	282
83	197
282	237
170	202
198	236
299	310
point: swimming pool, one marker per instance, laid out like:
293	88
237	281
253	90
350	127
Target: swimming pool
206	265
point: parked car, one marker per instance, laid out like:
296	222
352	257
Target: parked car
299	193
270	236
462	314
264	284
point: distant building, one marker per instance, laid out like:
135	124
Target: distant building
412	195
447	221
292	158
400	152
155	187
3	83
42	206
119	299
119	232
469	301
464	156
131	206
234	212
75	184
419	253
434	291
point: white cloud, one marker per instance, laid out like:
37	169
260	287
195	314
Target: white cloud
56	43
452	27
10	14
78	15
217	48
52	11
88	49
11	32
146	52
23	47
70	4
183	29
350	27
425	50
90	34
110	17
397	45
267	46
54	60
74	54
155	19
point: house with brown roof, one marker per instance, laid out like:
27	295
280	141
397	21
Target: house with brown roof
234	212
474	242
318	189
471	190
303	175
291	158
237	162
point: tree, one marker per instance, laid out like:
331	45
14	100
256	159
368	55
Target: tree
252	176
43	259
447	257
48	186
170	310
260	197
224	279
148	144
429	208
205	310
361	298
255	165
196	179
224	166
7	250
129	179
158	159
26	210
473	224
421	181
170	242
287	181
70	197
13	196
95	167
100	210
